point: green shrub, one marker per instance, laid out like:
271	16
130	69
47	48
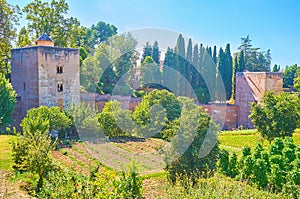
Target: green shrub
233	166
276	169
115	121
260	170
223	163
194	126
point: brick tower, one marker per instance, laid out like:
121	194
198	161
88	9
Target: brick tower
44	75
250	87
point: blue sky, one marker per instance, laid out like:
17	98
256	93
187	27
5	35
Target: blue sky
271	24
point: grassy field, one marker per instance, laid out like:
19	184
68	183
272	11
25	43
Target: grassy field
6	151
234	141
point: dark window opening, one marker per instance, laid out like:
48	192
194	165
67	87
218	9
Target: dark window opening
24	87
60	87
59	69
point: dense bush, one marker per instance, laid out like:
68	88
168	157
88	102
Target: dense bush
32	150
276	116
115	121
157	108
54	116
102	183
194	143
276	169
7	102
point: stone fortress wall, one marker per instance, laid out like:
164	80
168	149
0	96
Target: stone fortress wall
50	76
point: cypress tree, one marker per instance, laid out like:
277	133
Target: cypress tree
170	64
189	60
180	46
215	55
209	75
235	67
208	50
181	63
195	55
228	72
200	61
147	51
189	52
194	71
241	62
221	67
155	52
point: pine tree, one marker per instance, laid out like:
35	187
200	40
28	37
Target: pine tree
155	52
246	47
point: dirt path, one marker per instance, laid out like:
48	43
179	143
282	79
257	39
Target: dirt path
9	189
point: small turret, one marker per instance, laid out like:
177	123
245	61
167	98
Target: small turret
44	40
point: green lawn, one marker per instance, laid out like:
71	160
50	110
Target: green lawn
234	141
6	151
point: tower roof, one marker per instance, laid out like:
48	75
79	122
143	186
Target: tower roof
44	37
44	40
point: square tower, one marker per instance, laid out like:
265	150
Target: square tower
44	75
250	87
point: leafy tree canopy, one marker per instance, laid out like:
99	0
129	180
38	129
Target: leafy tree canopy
8	19
289	74
7	102
51	119
277	116
49	17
